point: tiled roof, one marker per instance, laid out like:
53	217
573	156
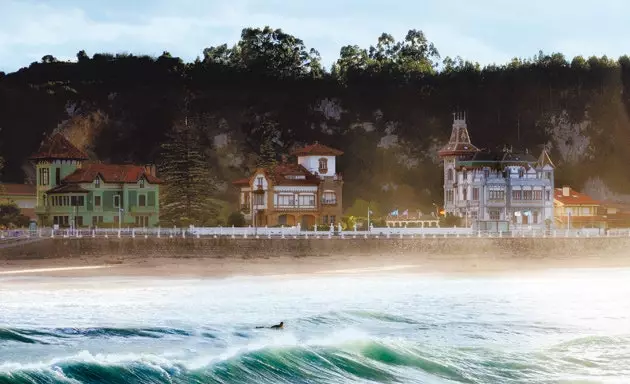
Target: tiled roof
317	149
459	142
18	189
279	174
241	182
58	147
111	173
574	198
66	188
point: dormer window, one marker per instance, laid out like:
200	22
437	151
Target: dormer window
97	182
259	182
142	183
323	165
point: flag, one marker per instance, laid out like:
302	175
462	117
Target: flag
394	212
405	212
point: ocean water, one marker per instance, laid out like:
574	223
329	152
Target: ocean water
569	326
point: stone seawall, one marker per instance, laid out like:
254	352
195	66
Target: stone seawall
269	248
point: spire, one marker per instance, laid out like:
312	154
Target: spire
459	143
544	160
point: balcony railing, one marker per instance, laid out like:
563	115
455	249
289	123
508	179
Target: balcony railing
329	201
295	207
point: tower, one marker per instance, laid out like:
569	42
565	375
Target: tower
458	147
545	169
56	159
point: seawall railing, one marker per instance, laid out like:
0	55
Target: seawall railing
292	232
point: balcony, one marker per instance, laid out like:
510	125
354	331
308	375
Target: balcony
329	201
495	203
295	207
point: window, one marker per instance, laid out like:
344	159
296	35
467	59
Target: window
97	220
57	175
44	176
97	182
259	182
465	175
495	215
286	200
332	219
78	221
464	193
323	165
66	200
475	196
142	183
547	195
537	195
521	172
449	175
142	200
527	195
324	219
486	173
116	201
497	195
517	195
97	201
259	199
306	200
535	217
586	211
449	196
329	197
77	201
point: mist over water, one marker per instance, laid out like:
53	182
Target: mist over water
547	327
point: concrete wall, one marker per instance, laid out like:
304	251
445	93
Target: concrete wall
269	248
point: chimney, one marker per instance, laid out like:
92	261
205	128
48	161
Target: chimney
566	191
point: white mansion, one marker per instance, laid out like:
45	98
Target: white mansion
498	190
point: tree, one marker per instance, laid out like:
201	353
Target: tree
236	219
11	216
189	183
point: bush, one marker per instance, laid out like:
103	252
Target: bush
236	219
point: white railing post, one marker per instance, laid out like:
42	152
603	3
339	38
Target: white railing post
282	231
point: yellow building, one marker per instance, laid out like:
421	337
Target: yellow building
573	210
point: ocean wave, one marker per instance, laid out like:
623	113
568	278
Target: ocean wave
30	336
318	362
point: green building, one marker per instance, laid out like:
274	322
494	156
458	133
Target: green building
72	192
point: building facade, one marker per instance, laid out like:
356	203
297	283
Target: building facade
496	190
575	210
22	195
306	192
71	192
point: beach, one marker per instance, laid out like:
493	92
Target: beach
235	265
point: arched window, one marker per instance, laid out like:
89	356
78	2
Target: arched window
449	175
323	165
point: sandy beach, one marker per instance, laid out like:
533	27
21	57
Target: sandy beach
177	267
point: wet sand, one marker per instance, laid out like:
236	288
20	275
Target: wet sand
177	267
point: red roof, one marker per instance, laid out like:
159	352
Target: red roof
573	198
291	174
317	149
18	189
241	182
285	174
58	147
111	173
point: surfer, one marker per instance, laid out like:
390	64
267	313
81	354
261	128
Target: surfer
277	326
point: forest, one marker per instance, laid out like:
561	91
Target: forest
388	107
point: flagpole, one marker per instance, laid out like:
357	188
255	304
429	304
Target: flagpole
368	218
